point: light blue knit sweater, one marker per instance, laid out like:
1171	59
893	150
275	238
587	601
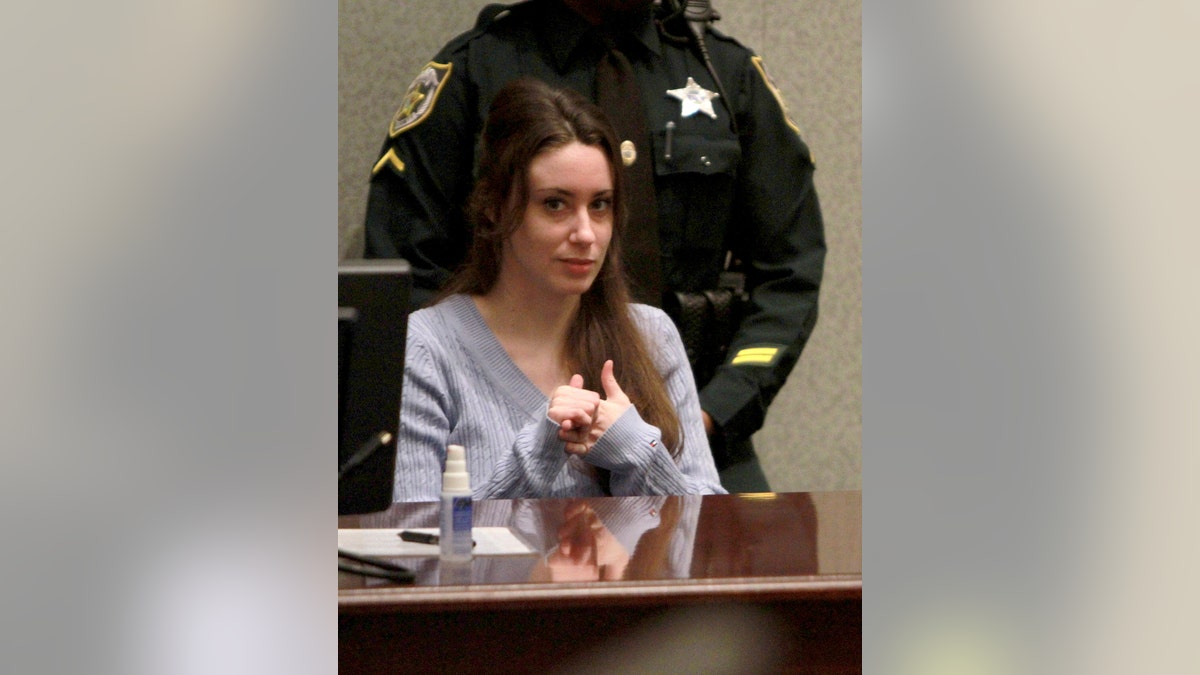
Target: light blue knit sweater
460	386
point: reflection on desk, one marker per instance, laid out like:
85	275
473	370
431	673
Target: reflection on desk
606	564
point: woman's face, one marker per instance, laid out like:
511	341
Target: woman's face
567	223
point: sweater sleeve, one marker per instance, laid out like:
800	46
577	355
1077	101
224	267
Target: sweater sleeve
532	468
425	423
632	449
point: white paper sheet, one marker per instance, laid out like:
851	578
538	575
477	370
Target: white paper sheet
489	541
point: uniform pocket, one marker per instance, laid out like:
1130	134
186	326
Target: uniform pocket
690	153
699	173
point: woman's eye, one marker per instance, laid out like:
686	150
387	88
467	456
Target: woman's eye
555	204
602	205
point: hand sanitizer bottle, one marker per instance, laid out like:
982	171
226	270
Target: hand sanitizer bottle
455	537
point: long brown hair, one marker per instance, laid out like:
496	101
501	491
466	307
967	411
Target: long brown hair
529	117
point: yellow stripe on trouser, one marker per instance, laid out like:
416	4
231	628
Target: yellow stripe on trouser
755	355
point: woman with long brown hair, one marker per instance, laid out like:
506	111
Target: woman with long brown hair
533	357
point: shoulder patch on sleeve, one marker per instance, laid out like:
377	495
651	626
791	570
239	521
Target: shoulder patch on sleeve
757	355
421	96
762	70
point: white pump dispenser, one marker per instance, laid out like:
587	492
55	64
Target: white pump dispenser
455	536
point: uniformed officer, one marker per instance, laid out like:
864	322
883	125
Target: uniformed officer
732	177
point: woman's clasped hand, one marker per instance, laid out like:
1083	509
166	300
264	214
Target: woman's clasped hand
582	415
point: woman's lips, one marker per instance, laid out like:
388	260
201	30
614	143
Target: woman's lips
579	265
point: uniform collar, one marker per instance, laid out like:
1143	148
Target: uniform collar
566	32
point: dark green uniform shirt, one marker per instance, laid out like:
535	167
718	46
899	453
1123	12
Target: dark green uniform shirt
749	192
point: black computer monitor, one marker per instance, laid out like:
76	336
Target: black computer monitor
373	306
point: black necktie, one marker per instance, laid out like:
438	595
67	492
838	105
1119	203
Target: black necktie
617	93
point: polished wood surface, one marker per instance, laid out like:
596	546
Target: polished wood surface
603	567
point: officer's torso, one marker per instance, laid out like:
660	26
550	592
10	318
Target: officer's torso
695	161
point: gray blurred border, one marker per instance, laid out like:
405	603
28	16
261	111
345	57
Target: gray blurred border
168	422
983	353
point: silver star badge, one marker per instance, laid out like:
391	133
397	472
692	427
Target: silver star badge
694	98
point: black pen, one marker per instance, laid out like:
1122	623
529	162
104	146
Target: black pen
424	538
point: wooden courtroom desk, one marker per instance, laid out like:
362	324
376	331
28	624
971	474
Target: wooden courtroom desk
764	582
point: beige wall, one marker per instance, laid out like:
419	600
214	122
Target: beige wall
813	436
